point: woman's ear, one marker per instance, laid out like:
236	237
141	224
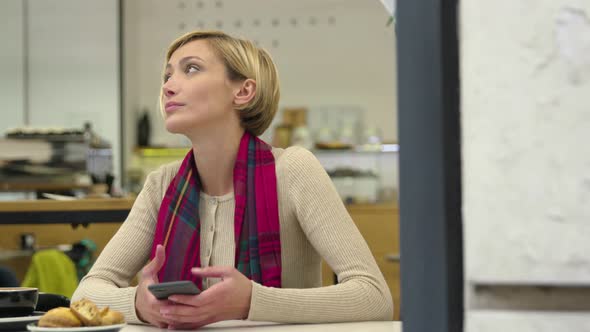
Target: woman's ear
245	93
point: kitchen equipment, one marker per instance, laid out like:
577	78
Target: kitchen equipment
17	301
144	129
54	159
355	186
282	136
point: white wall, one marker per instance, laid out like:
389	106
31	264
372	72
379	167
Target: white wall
61	58
346	58
11	65
74	66
525	72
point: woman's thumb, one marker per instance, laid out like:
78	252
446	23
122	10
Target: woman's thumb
156	264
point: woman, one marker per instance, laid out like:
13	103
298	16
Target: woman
248	223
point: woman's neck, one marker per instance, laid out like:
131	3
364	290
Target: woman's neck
215	156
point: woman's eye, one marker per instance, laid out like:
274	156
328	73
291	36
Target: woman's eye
192	69
166	78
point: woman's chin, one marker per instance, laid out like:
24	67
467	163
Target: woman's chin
175	127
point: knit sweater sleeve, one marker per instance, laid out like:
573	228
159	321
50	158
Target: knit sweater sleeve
107	283
361	292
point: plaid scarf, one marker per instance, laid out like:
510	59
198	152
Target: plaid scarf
256	218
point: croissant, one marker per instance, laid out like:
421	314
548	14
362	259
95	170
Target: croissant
59	317
80	313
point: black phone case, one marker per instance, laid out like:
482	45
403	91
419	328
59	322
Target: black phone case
163	290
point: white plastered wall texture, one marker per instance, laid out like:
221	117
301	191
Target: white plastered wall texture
525	77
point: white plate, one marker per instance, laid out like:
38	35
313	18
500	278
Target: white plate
107	328
20	319
18	323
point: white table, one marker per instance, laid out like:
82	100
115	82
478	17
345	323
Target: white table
237	326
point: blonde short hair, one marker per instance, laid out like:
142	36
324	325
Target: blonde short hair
243	60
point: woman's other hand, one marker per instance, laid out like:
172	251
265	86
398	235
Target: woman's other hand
146	305
227	299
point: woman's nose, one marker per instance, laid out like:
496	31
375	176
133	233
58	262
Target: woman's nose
168	91
169	87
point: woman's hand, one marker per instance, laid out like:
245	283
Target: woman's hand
146	305
228	299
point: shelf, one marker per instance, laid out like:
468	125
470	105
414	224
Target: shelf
180	152
383	148
38	186
12	254
83	211
156	152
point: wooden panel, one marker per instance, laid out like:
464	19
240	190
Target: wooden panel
391	272
52	235
75	205
380	227
327	274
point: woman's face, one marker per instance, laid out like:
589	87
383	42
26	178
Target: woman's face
196	90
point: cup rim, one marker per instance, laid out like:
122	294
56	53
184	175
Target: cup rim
18	289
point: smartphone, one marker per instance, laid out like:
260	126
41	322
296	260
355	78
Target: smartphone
165	289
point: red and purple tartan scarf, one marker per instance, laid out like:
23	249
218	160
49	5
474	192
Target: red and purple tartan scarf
256	219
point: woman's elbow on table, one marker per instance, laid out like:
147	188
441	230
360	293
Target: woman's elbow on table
387	306
381	303
371	302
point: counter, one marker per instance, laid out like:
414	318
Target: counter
237	326
55	223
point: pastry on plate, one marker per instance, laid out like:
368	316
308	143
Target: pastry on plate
110	317
81	313
59	317
87	312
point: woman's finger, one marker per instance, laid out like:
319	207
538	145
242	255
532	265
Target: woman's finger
153	267
205	298
178	310
212	271
199	314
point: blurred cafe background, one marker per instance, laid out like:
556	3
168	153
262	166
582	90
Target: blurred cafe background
80	127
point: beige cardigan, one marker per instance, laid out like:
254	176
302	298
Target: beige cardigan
314	224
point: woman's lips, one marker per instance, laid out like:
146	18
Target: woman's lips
172	106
